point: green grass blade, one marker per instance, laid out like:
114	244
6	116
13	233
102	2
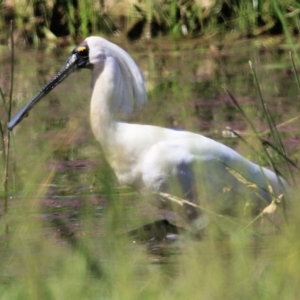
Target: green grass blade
295	71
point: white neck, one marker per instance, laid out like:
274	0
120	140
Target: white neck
103	121
116	82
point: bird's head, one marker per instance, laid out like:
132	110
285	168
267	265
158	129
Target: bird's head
93	50
80	56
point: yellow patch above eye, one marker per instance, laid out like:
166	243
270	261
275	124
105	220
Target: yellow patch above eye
81	48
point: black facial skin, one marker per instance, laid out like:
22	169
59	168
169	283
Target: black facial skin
82	53
79	58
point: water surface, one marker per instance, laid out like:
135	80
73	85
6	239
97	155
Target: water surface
186	83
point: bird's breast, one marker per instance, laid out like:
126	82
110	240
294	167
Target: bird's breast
126	167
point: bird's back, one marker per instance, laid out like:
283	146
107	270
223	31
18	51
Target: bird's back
219	171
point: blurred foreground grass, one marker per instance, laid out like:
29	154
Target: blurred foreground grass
48	255
38	261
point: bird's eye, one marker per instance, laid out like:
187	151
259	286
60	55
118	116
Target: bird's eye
83	50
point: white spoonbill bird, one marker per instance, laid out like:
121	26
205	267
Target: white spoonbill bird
154	159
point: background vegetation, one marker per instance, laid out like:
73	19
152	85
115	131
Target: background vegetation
39	20
64	220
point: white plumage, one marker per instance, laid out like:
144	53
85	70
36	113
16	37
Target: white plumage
153	158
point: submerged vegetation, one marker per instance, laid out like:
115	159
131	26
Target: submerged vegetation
68	231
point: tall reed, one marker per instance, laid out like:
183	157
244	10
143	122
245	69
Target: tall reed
6	136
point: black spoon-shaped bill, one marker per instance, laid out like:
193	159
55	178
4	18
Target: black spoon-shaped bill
69	67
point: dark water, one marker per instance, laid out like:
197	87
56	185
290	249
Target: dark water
186	83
